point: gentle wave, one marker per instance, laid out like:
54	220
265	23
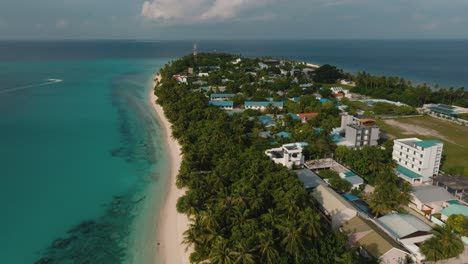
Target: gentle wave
14	89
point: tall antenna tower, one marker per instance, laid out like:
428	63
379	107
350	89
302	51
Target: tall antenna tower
195	52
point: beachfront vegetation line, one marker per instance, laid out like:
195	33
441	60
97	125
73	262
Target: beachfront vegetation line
243	208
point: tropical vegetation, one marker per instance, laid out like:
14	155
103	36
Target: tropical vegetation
443	245
243	208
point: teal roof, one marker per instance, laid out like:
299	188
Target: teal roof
349	174
407	173
453	202
455	209
444	109
294	116
325	100
266	120
427	143
283	134
222	103
264	104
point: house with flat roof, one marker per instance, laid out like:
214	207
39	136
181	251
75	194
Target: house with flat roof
221	96
359	131
418	160
309	179
429	199
262	105
352	178
289	155
335	206
372	241
225	105
453	209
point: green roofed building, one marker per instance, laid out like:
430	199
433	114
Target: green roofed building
454	209
418	160
443	109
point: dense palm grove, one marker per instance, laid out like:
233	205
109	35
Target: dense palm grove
401	90
243	208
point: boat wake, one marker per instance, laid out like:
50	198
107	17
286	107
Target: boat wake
14	89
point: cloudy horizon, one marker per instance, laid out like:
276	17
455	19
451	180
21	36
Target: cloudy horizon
233	19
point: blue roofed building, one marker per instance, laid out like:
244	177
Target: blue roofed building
262	105
225	105
221	97
325	100
266	120
283	134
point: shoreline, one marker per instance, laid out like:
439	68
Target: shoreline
171	224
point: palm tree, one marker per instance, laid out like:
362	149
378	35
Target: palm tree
445	244
267	247
242	254
292	238
221	253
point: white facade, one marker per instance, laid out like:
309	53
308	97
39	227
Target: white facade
289	155
419	156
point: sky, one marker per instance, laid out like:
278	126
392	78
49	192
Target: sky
233	19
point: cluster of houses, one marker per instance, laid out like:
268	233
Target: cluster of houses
390	238
394	237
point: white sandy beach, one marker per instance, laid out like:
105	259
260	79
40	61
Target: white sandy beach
171	224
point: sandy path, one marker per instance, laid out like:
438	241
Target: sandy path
171	224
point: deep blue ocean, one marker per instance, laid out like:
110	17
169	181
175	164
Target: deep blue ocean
82	157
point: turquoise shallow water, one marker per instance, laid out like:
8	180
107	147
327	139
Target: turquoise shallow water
68	148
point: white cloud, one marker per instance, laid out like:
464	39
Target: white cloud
189	11
61	23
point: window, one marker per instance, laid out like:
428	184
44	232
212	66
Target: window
419	169
415	152
420	162
421	155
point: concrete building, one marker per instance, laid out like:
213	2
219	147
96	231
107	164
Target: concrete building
418	160
335	206
429	199
289	155
262	105
359	131
408	230
352	178
309	179
221	97
373	242
225	105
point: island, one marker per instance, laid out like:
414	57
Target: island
279	161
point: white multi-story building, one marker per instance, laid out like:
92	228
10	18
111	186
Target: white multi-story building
290	155
418	160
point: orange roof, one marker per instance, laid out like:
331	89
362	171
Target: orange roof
367	121
340	94
307	115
